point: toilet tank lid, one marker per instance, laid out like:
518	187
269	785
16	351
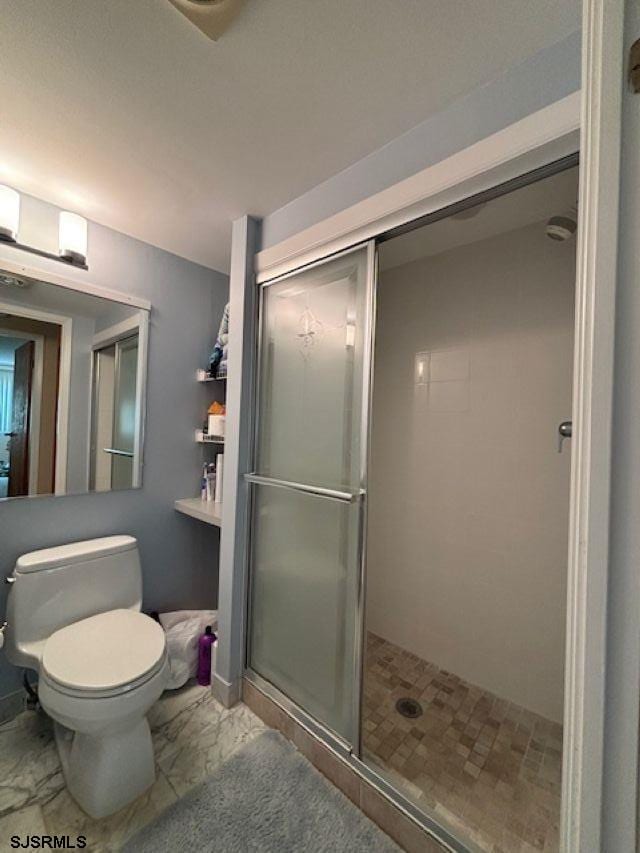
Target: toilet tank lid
74	552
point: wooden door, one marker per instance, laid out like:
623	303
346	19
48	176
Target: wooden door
19	443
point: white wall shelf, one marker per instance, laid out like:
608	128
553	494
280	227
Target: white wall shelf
203	438
203	376
207	511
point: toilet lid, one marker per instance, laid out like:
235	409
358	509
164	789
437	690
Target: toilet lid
105	651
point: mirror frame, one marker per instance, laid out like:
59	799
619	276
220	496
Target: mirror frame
140	321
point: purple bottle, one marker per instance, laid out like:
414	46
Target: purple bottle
204	656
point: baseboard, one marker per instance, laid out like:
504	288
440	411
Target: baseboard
11	705
228	694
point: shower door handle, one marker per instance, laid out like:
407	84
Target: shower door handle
318	491
564	431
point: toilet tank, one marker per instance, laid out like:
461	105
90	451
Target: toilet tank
57	586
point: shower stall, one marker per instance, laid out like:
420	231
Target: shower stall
409	507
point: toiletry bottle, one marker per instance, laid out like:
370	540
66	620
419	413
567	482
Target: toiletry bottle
204	656
203	484
211	481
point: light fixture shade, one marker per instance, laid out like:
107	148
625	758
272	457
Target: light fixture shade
212	17
72	242
9	213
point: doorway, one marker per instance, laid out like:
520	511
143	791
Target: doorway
29	377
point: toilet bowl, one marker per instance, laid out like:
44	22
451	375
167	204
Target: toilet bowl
99	673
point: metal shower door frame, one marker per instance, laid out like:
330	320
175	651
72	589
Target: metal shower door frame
359	496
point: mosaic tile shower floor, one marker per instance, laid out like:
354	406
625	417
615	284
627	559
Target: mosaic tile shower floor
486	767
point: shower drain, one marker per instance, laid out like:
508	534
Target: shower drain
409	708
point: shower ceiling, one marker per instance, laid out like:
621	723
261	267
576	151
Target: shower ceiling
554	196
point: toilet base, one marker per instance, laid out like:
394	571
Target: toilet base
106	773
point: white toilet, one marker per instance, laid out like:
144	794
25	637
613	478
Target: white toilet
74	616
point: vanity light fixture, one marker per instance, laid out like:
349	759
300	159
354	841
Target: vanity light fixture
9	213
72	231
72	240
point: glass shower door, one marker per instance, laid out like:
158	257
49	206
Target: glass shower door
115	388
124	416
308	489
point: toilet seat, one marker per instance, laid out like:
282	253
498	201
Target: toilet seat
84	693
104	655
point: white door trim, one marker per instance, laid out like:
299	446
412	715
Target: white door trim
64	382
141	396
546	135
36	406
602	75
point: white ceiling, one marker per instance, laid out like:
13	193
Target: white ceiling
125	112
553	196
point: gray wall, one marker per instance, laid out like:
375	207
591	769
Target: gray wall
179	555
537	82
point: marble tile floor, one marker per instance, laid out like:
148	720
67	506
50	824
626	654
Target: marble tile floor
485	767
192	735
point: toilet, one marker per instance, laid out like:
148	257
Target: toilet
74	617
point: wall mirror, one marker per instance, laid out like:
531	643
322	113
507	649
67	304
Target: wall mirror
73	363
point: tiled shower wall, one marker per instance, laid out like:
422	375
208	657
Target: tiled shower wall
469	496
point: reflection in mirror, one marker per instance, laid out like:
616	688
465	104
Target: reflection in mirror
72	377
